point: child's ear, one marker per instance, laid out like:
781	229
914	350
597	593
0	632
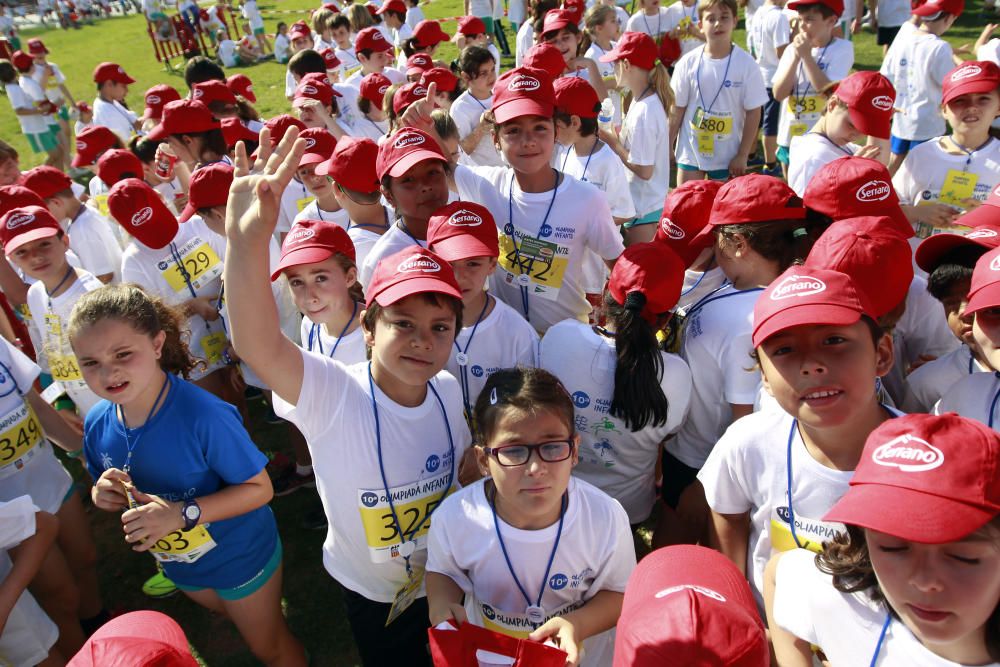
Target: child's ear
482	461
884	357
351	277
158	340
369	335
493	265
763	378
387	193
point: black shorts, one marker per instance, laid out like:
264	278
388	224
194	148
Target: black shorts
404	642
677	477
769	118
886	35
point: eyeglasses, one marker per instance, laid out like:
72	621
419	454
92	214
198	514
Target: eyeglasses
511	456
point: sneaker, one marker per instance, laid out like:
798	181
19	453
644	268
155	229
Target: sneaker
291	482
314	519
159	586
773	171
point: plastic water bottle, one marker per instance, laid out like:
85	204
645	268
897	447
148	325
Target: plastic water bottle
606	115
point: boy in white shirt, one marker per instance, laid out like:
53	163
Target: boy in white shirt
393	13
767	36
112	87
683	16
340	29
651	19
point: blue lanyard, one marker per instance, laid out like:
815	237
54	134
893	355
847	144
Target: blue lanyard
179	261
583	176
993	404
481	105
709	298
406	230
722	84
317	335
385	482
881	639
13	381
534	612
659	19
525	276
130	445
385	214
463	361
696	283
805	91
969	153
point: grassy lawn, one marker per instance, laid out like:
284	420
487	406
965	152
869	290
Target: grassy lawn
312	599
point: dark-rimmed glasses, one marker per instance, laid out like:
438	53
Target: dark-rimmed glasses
511	456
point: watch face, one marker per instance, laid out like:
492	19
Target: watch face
192	512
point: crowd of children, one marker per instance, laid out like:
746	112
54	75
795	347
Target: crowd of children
503	344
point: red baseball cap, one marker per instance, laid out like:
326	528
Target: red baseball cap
546	57
878	260
241	85
637	48
932	7
183	117
46	181
410	271
140	210
352	164
441	77
117	164
461	230
987	213
428	33
984	292
418	63
22	61
557	19
471	25
686	210
371	39
932	249
870	98
373	88
330	58
91	142
523	91
233	130
207	92
17	196
311	241
851	187
208	188
315	88
36	47
670	50
407	94
652	269
281	124
111	72
803	296
689	605
749	199
401	151
23	225
392	6
156	97
83	106
576	8
931	479
299	30
836	6
575	97
137	638
977	76
372	8
329	6
319	145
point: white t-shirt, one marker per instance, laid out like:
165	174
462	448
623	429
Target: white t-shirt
282	45
414	15
972	397
929	172
645	135
52	90
466	112
617	460
115	117
604	170
594	52
334	413
725	104
312	211
319	43
835	60
554	254
503	339
931	382
698	285
350	349
525	40
916	64
348	114
347	57
92	239
50	318
769	32
595	553
651	25
294	200
370	129
892	13
391	242
18	99
808	154
681	16
716	346
227	53
845	625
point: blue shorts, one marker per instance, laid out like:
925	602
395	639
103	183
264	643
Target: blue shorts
650	218
904	146
248	587
715	175
769	119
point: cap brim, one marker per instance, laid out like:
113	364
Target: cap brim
419	285
312	158
931	249
984	214
247	95
521	106
877	126
157	133
408	161
987	296
974	86
28	237
915	516
78	161
611	56
300	256
806	314
187	213
457	248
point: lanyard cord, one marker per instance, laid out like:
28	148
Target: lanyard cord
552	555
993	403
130	446
659	19
317	335
70	271
406	230
385	214
805	91
696	283
583	176
381	467
881	639
179	261
523	282
722	84
970	153
463	360
13	380
709	298
839	148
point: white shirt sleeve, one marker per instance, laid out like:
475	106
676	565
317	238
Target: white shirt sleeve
796	574
723	477
17	521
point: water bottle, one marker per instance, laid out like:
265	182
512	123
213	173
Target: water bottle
605	116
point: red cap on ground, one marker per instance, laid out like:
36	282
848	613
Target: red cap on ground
870	98
352	165
311	241
140	210
24	225
932	249
547	58
373	88
471	25
689	605
851	187
136	638
406	95
46	181
461	230
207	92
184	117
208	188
576	97
233	130
371	39
241	85
653	270
984	292
400	152
977	76
156	97
686	210
932	7
91	142
17	196
836	6
637	48
441	77
428	33
319	146
111	72
524	91
410	271
931	479
118	164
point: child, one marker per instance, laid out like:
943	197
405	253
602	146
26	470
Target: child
445	83
715	125
651	19
559	578
109	105
629	397
324	206
915	579
199	510
950	174
155	99
53	82
561	29
230	53
252	14
464	235
393	15
84	117
820	352
916	64
30	116
414	14
340	28
323	33
860	105
472	32
315	101
374	53
249	43
412	315
645	132
282	45
193	135
683	16
477	68
768	35
371	96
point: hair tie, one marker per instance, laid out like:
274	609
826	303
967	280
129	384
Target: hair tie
635	302
493	396
799	232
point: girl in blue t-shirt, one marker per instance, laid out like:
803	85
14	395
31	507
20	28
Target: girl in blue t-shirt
179	463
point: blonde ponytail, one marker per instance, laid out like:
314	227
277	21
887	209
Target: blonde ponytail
659	79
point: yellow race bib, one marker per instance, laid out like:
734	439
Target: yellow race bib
414	504
183	547
198	261
19	433
958	186
808	105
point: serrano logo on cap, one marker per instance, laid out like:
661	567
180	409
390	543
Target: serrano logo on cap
382	89
377	35
464	218
408	139
418	264
966	72
909	454
995	264
310	142
797	286
309	90
875	190
300	235
981	234
142	216
198	93
708	592
671	229
882	102
155	99
419	91
523	82
20	220
81	145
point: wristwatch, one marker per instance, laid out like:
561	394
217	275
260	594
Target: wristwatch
191	512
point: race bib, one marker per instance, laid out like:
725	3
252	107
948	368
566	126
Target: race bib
198	262
213	345
183	547
517	624
812	533
536	264
302	203
797	129
810	105
958	186
19	433
414	504
101	203
62	367
407	594
709	127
